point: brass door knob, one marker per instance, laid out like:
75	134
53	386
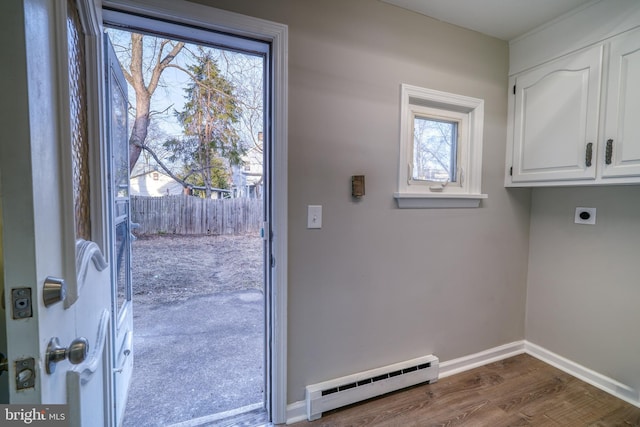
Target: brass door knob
75	353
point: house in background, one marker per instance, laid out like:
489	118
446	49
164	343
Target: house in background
153	183
248	178
247	182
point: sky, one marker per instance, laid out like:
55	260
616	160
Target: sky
244	71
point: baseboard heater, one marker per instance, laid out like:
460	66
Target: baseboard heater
333	394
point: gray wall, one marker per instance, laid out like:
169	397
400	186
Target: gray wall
376	284
584	281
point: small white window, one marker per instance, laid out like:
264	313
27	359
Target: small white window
440	150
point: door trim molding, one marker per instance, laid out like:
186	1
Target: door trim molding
277	36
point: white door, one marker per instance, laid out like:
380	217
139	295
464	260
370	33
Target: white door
120	227
58	221
556	119
622	130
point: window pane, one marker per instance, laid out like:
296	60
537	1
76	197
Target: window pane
123	257
119	134
434	150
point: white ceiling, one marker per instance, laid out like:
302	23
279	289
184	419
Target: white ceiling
504	19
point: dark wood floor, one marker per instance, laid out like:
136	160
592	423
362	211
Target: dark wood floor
519	391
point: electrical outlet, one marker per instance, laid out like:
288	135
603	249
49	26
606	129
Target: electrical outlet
585	216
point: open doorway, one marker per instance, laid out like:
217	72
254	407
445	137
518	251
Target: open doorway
198	173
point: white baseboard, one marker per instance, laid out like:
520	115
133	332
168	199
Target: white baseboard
604	383
465	363
297	411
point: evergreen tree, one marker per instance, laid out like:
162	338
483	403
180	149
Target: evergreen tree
208	117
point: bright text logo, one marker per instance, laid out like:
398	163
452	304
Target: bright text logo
36	415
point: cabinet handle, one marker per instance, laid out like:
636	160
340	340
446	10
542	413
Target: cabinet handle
608	152
589	154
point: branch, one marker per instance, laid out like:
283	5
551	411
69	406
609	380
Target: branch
193	171
135	78
161	64
155	113
195	80
163	166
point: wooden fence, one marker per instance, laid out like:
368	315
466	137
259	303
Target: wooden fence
184	214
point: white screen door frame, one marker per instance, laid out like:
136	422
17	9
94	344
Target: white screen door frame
232	25
120	225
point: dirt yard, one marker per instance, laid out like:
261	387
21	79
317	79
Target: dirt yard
175	280
169	268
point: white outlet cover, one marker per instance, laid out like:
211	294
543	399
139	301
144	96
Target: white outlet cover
591	212
314	216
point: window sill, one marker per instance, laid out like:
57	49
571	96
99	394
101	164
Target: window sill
440	200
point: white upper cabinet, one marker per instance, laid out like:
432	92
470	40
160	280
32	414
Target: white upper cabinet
556	119
621	145
574	100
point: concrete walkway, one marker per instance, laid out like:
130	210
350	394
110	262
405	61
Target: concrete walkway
196	358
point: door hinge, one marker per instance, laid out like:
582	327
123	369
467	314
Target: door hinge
514	89
273	261
511	171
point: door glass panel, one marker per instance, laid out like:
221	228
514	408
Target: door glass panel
120	189
122	242
78	114
119	150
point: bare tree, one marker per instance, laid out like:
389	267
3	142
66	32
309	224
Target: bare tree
164	52
143	60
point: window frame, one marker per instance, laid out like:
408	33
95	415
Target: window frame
468	112
443	116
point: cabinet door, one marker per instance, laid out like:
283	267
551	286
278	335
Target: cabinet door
556	119
621	148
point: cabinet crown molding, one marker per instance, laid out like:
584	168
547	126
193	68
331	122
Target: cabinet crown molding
583	27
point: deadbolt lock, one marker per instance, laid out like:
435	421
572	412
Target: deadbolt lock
54	291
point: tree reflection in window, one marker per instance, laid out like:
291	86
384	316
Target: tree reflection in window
434	149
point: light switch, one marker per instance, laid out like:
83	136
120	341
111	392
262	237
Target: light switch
314	216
